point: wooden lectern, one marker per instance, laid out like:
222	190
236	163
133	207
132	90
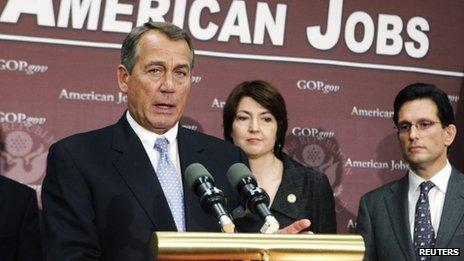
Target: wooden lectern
222	246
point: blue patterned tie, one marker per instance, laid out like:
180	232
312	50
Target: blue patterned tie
169	180
424	236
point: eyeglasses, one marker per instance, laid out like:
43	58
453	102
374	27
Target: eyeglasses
422	125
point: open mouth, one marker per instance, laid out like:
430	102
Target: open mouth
164	106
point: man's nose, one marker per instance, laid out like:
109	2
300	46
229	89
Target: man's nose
168	83
413	132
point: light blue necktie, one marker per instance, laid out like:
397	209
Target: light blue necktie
170	183
424	236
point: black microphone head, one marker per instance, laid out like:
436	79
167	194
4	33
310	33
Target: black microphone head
237	172
195	171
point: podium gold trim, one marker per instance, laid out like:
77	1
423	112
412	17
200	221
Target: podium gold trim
243	246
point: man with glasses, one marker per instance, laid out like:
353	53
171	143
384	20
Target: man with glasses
411	218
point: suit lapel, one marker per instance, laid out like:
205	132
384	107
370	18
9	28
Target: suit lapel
190	151
453	209
290	184
397	208
2	194
135	168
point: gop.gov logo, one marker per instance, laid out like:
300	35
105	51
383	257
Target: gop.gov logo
321	153
24	152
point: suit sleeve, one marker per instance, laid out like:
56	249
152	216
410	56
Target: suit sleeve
364	227
68	228
29	247
327	218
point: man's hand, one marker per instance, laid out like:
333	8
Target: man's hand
296	227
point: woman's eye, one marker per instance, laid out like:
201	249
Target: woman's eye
267	119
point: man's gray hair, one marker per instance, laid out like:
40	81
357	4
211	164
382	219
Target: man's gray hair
129	48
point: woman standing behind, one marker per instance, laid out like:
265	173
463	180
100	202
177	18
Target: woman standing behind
255	119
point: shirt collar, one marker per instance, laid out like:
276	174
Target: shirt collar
149	137
440	179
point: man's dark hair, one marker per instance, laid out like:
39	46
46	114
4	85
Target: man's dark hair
266	95
425	91
129	49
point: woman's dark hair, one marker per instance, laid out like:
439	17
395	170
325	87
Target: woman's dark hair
425	91
267	96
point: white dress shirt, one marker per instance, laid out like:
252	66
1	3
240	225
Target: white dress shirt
148	139
436	196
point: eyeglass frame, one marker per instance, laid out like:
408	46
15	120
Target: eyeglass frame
418	126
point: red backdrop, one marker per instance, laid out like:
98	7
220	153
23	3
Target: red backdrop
338	64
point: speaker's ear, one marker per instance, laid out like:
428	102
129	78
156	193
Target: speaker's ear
123	78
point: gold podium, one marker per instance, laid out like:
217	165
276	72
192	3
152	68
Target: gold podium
243	246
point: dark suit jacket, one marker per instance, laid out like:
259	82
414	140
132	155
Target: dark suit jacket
383	220
19	222
102	200
314	200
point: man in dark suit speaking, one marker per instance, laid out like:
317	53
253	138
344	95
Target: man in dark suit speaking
107	190
424	209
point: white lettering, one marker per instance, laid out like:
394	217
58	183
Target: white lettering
112	9
351	224
371	164
43	9
178	16
21	118
22	66
371	113
312	132
80	11
389	30
156	14
334	21
350	29
264	21
415	28
194	19
91	96
237	13
217	103
317	86
453	98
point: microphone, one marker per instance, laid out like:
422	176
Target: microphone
212	199
254	198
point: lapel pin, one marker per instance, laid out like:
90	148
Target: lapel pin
291	198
